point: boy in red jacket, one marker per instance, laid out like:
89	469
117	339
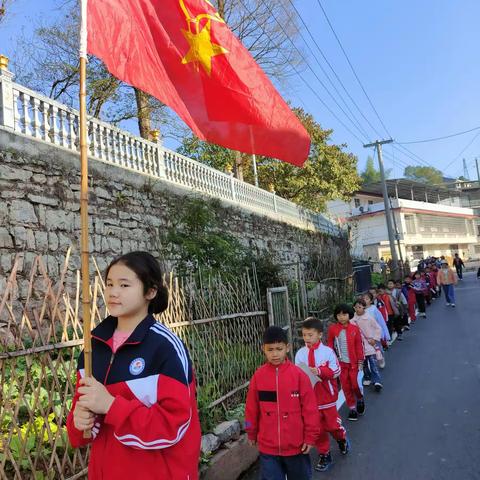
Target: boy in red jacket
281	413
323	363
346	339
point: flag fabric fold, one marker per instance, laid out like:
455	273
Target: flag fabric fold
183	53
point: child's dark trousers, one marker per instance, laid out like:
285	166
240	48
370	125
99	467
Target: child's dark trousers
275	467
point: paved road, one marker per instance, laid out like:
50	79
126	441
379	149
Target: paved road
425	425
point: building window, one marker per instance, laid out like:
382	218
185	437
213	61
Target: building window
370	202
410	224
357	202
478	233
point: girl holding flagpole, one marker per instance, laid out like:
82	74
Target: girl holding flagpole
140	403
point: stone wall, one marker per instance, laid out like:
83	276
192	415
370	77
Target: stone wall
39	211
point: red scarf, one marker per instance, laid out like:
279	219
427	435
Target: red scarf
311	354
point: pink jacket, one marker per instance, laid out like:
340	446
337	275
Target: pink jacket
446	277
370	330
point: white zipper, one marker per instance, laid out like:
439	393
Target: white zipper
278	414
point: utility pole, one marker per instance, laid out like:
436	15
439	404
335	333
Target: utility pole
478	172
388	212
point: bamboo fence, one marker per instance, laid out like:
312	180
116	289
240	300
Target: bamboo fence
220	321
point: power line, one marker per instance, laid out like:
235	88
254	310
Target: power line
352	68
315	75
331	68
438	138
461	153
321	66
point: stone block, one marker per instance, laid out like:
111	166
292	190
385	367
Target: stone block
39	178
53	202
230	463
210	443
59	220
5	238
20	236
41	241
227	431
52	241
22	212
9	194
9	173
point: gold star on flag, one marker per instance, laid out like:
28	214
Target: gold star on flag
202	49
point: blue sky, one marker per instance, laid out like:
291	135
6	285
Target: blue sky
418	61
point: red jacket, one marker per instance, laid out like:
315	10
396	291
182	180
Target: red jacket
281	412
354	342
152	429
326	391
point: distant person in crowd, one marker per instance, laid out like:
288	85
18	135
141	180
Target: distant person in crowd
391	307
383	265
382	309
409	294
459	266
478	273
323	363
447	279
375	313
399	303
346	339
371	335
280	384
419	286
397	292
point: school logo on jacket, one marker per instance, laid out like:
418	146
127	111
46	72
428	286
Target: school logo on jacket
137	366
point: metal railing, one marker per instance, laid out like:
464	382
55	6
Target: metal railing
31	114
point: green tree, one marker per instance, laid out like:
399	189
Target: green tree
428	175
329	172
370	174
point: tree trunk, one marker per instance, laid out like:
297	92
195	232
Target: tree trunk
238	168
144	112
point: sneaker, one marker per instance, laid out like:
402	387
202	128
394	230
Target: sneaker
353	415
344	446
447	304
378	387
361	407
366	383
400	337
452	305
324	463
406	327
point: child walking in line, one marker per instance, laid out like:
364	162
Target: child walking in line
140	405
409	294
402	302
419	286
323	363
374	312
346	339
447	279
371	334
281	415
392	310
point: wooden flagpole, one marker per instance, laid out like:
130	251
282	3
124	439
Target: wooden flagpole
87	339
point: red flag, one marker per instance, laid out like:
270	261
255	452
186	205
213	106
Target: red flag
183	53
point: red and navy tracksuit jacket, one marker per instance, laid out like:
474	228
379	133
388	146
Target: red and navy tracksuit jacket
281	411
152	430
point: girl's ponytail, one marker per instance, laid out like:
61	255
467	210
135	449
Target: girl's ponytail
160	302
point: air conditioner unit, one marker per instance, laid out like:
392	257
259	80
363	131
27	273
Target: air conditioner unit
361	208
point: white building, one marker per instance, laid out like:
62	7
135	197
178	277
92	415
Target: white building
428	222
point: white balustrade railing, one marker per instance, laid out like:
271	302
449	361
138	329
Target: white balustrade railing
34	115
